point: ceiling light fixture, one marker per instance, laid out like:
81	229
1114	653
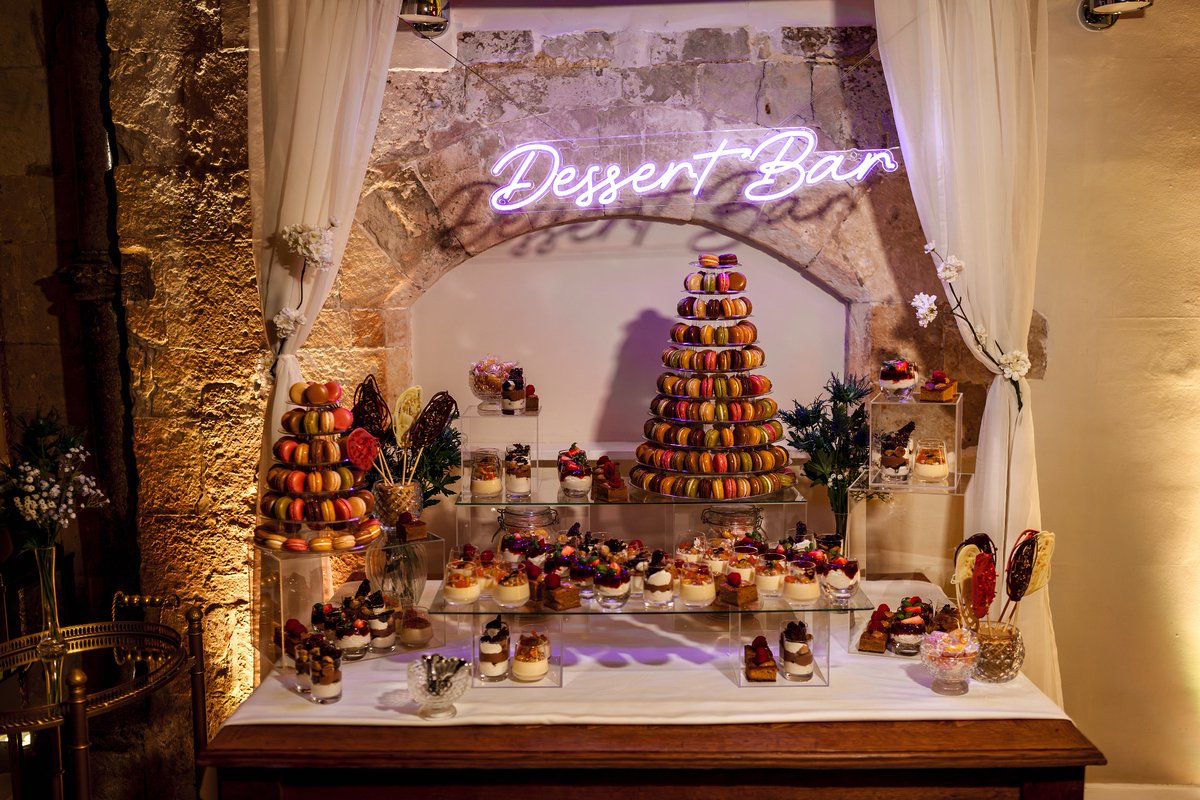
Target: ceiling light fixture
427	18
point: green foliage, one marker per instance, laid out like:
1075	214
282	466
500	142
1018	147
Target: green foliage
833	431
436	469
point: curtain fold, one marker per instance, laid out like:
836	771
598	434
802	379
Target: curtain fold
318	69
967	85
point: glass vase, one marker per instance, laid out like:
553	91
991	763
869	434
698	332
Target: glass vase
400	571
393	499
1001	652
52	644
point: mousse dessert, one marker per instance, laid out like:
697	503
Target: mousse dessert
583	572
895	454
659	588
769	574
512	588
909	624
717	556
574	473
613	585
696	588
319	670
796	654
801	584
513	547
931	466
512	393
485	472
461	587
531	661
383	630
353	638
518	471
690	549
743	562
897	377
839	578
493	651
416	628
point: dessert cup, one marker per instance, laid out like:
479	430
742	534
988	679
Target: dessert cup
744	562
801	584
512	587
769	574
658	590
950	659
839	579
485	472
690	548
696	588
613	586
931	465
583	575
416	627
531	658
795	653
461	587
905	638
493	654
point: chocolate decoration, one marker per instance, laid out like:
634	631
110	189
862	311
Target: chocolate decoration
1020	568
432	420
1041	562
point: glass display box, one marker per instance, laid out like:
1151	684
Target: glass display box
915	444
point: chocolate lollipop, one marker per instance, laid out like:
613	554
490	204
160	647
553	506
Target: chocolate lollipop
1041	562
1020	567
370	409
983	584
964	569
428	426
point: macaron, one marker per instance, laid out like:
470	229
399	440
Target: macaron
344	542
320	544
296	545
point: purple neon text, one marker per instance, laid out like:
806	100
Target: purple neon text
783	164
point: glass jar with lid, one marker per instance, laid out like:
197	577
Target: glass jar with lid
732	521
533	521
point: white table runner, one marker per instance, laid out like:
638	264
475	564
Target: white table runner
625	670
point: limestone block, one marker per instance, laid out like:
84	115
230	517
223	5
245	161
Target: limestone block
586	88
730	90
28	203
24	120
347	365
421	111
214	102
716	44
828	44
631	48
235	24
492	47
869	109
667	84
156	26
148	117
171	462
211	296
165	203
367	328
168	378
42	376
786	94
333	328
583	46
368	277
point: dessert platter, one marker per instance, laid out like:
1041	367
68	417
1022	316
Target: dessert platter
315	500
713	426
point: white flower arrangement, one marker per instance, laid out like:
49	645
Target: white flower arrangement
311	242
288	321
1013	365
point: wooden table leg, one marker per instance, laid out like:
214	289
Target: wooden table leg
75	718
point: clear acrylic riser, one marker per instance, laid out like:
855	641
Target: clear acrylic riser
484	429
941	420
290	584
659	522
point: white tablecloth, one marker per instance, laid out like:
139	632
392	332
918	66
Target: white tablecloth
625	670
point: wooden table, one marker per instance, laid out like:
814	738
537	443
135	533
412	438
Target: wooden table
1039	759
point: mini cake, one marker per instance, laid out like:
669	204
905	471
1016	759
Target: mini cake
558	594
493	651
608	485
874	638
733	592
759	663
939	387
411	529
416	628
947	619
533	403
796	654
531	661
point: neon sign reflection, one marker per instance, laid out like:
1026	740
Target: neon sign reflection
784	163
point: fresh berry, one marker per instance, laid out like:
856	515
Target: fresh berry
734	579
762	655
487	557
532	570
529	390
759	641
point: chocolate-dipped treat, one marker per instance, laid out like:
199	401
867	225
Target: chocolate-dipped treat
494	651
795	651
512	392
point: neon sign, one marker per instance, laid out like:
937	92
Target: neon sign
783	164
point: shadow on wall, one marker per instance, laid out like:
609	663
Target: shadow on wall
633	383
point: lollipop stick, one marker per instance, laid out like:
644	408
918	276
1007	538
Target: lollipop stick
416	462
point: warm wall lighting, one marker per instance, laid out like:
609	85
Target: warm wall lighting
427	18
1099	15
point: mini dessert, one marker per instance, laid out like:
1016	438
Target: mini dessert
513	547
659	588
574	473
895	454
383	631
558	594
696	587
690	549
874	638
493	651
531	661
909	625
512	392
533	403
950	659
518	471
486	379
897	377
512	589
353	637
931	466
801	584
612	585
744	561
537	552
707	260
759	663
733	592
769	574
947	619
727	260
796	654
939	388
416	628
461	587
485	472
839	578
637	565
608	485
319	670
718	555
583	572
294	634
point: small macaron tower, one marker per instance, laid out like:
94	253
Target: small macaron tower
314	501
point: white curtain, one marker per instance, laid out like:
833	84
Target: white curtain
318	69
967	84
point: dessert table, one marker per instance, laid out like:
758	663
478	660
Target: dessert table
650	705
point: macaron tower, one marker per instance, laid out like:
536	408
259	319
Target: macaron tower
713	433
314	500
